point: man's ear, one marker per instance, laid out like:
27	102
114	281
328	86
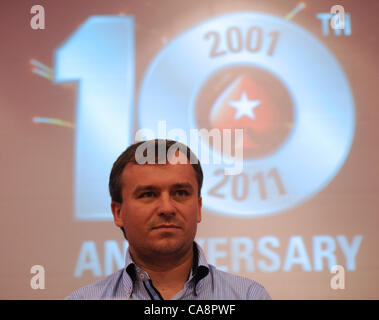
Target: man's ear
200	205
116	211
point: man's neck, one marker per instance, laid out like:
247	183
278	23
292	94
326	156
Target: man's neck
168	274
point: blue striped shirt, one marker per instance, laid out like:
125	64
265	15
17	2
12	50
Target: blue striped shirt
205	282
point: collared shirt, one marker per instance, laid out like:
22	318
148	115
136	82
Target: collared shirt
205	282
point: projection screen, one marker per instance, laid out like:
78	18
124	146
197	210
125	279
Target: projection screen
293	204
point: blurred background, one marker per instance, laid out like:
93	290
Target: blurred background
78	79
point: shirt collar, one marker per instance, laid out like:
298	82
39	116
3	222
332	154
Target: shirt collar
199	270
200	265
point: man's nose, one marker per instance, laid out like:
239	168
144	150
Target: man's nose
166	205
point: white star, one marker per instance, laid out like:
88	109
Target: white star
244	106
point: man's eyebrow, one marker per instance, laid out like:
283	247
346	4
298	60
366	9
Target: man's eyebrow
180	185
141	188
184	185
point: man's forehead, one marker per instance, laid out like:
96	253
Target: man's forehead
146	171
136	176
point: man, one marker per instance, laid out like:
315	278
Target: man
155	188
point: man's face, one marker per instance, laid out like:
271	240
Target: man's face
160	208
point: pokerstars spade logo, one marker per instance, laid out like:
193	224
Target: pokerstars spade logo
274	80
241	97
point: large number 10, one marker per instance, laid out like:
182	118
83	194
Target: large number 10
99	56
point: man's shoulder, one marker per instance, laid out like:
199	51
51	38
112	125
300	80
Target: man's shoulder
106	288
238	286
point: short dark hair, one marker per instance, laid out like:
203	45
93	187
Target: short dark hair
129	156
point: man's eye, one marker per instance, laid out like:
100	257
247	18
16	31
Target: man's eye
182	193
148	194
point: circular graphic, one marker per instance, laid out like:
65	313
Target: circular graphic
241	97
229	67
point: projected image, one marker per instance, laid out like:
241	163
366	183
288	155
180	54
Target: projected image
281	137
273	97
298	121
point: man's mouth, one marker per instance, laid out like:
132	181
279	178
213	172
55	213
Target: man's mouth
166	226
